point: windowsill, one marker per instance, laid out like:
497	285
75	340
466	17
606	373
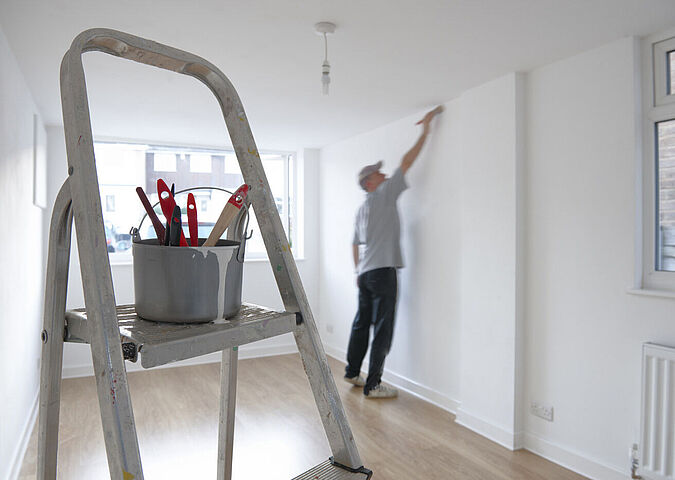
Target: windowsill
651	293
249	260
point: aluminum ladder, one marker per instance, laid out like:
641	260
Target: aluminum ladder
116	333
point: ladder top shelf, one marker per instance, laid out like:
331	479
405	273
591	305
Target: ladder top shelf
159	343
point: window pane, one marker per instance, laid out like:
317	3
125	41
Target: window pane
120	168
671	72
665	231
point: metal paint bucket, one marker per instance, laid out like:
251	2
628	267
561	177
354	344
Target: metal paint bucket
189	284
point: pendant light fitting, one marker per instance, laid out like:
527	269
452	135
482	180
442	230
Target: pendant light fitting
324	29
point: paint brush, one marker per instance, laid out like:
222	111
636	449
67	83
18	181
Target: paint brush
230	211
167	203
176	227
192	220
159	228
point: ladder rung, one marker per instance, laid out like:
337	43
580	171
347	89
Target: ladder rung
328	471
160	343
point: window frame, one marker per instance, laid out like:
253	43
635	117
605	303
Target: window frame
657	106
290	184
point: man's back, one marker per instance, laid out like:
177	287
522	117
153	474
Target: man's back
378	228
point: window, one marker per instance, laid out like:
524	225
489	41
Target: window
164	162
200	163
658	167
665	198
110	203
124	166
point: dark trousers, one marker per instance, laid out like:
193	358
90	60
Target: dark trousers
377	307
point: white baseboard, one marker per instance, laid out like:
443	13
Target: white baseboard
22	444
425	393
575	461
248	351
487	429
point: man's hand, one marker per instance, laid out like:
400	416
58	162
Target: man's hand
426	121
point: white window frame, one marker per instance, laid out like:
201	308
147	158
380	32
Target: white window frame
657	106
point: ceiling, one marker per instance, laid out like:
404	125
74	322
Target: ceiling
389	58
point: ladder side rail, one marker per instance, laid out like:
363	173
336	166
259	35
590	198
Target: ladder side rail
283	264
119	430
54	315
292	292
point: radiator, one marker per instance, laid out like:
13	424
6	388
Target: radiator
658	412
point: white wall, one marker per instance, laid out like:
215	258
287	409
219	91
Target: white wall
584	332
21	257
491	159
259	286
456	319
425	355
554	300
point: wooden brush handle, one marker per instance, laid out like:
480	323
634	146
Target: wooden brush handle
226	216
230	211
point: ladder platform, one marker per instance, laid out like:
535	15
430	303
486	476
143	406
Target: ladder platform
328	471
159	343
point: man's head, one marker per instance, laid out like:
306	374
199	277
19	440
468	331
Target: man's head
370	177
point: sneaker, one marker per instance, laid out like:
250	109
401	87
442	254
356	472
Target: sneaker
382	391
356	381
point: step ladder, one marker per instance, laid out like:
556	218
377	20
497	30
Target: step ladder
116	333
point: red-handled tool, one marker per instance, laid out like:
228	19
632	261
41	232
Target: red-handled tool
159	228
192	220
167	203
230	211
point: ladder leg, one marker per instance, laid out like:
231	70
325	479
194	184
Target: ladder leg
117	417
326	395
228	398
53	333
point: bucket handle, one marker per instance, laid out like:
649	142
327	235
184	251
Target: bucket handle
136	236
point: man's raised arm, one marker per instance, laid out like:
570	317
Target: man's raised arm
410	157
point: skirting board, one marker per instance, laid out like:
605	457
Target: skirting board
575	461
22	444
425	393
248	351
487	429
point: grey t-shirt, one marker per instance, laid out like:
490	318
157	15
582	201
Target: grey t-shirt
378	229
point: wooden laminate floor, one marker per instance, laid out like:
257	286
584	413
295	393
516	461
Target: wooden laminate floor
278	434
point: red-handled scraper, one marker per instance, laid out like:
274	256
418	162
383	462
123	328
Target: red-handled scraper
192	220
167	203
230	211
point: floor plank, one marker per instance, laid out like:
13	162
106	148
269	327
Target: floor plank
278	433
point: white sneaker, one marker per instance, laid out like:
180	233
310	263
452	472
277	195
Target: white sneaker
356	381
382	391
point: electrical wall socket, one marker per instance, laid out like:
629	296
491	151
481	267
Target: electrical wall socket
329	328
542	411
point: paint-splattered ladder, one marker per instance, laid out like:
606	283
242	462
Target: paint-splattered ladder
102	323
